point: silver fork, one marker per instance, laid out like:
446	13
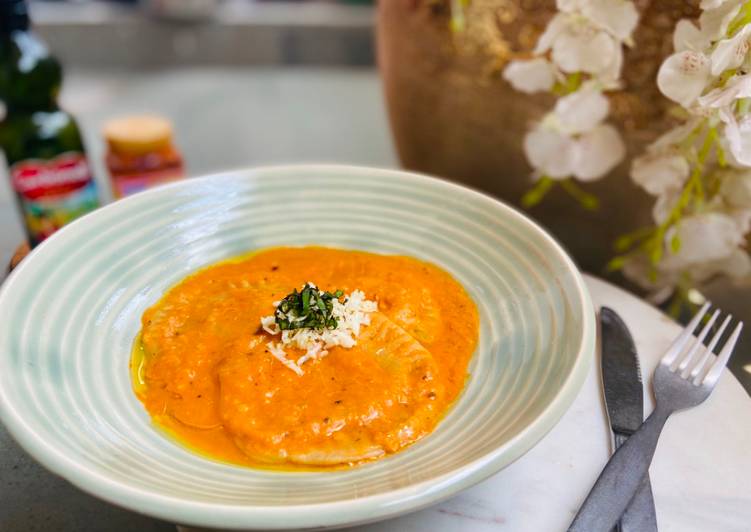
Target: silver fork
682	380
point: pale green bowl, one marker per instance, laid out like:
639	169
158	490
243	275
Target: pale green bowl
70	313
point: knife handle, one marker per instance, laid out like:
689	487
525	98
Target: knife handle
640	516
621	478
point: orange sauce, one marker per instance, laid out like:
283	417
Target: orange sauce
201	368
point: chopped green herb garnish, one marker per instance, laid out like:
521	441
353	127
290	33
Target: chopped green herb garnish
309	308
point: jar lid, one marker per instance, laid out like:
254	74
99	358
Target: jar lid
138	135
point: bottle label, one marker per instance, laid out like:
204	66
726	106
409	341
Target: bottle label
53	192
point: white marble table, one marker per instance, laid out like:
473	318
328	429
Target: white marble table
700	473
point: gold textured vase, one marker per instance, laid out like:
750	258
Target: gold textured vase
454	116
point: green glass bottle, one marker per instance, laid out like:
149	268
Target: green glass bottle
47	161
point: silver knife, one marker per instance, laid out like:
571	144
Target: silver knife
624	401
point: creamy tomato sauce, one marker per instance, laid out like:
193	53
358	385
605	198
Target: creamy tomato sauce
203	371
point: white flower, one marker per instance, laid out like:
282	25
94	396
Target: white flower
610	76
687	36
553	30
724	142
588	156
738	135
713	4
742	218
711	241
714	22
658	173
672	137
579	46
683	76
584	49
584	37
597	152
735	188
737	266
550	152
534	75
735	88
581	110
664	205
713	25
703	238
619	17
660	283
570	6
734	196
730	53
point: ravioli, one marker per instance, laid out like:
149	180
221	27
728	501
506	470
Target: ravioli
375	398
206	374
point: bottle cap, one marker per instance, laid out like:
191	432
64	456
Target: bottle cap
138	135
14	15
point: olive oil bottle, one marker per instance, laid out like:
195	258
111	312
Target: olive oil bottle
47	163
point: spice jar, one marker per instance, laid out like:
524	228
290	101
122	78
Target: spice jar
141	154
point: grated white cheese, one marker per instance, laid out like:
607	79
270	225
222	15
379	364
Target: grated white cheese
351	316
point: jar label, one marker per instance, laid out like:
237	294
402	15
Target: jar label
127	184
53	192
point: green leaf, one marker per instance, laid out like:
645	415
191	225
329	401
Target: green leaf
305	300
310	308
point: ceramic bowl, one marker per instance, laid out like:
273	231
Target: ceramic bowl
72	309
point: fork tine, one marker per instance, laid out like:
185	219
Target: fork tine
722	359
679	343
709	351
685	363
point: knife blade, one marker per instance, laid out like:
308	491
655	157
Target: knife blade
624	402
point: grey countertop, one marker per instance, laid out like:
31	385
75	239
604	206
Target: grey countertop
224	119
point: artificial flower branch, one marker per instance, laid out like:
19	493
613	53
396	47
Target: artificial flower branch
577	58
699	171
